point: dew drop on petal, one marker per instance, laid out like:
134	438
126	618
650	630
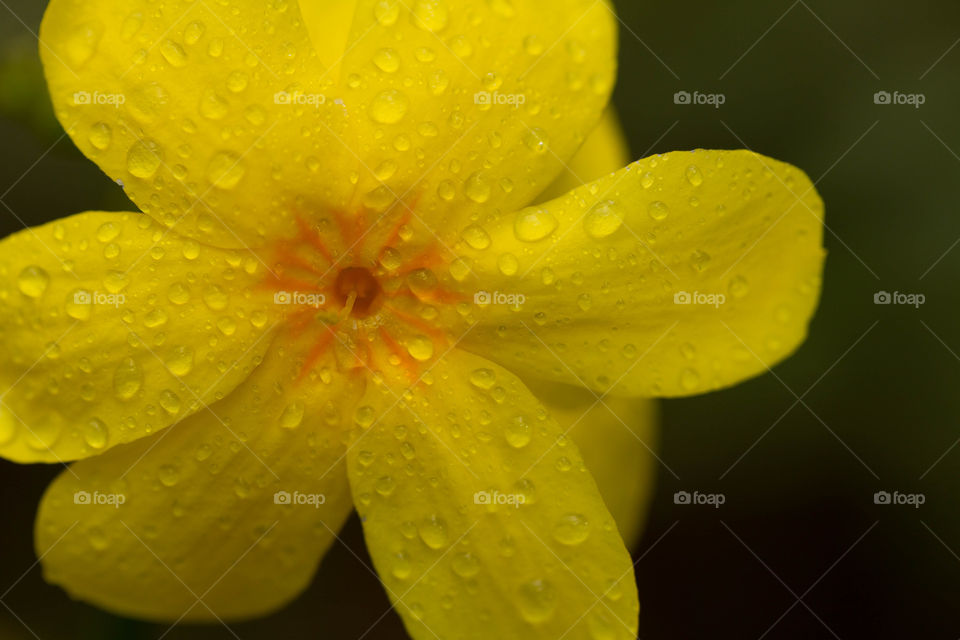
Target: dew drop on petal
33	281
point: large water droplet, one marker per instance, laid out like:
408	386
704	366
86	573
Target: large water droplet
433	532
572	529
537	600
33	281
389	107
532	225
603	219
127	379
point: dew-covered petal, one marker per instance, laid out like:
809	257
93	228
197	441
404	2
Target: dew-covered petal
214	116
680	274
618	439
235	505
467	105
113	328
480	515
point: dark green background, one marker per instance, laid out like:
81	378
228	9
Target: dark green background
799	519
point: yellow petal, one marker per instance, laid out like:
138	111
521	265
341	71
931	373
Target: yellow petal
680	274
618	439
605	151
226	123
480	516
471	103
209	114
235	506
112	328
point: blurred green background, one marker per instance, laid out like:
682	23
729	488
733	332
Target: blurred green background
800	549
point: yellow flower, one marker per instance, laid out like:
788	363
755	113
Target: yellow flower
339	297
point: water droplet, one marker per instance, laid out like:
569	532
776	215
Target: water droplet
508	264
169	475
536	140
33	281
170	402
532	225
433	532
173	53
225	170
518	432
477	188
465	565
601	626
387	60
365	416
180	361
127	379
386	12
389	107
476	237
603	219
144	158
237	81
292	416
537	601
402	567
100	135
739	287
483	378
95	433
694	176
658	210
431	15
213	106
178	293
385	485
572	529
421	348
689	379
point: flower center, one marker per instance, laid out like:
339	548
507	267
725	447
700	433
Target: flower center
358	291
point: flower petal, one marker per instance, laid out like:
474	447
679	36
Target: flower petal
469	103
185	106
199	518
605	151
680	274
112	328
480	515
618	439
